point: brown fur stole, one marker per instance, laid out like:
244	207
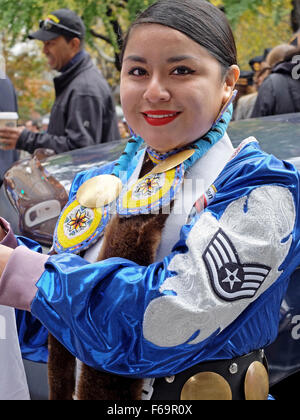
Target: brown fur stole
137	239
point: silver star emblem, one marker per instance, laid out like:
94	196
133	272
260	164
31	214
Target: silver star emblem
231	278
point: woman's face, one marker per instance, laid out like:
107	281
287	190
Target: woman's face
172	89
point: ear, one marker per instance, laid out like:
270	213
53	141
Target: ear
231	78
75	44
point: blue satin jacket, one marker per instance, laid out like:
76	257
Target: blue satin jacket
216	296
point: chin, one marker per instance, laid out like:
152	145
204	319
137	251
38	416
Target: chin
160	142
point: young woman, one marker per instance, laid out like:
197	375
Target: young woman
184	290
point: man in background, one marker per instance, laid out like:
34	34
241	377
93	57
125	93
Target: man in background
84	112
280	91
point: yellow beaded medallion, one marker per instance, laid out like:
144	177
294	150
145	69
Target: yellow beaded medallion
78	226
150	193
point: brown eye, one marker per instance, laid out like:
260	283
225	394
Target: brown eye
183	71
137	71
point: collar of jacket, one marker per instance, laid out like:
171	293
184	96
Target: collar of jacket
74	60
284	67
83	63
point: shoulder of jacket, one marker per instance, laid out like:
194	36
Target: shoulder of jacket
92	77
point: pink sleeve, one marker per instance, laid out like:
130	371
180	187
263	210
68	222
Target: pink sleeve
22	272
10	239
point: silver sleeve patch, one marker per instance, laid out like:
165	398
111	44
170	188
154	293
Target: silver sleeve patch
230	279
230	262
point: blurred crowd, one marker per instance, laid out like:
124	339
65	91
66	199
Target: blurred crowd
272	85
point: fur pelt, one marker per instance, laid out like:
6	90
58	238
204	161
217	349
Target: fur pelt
61	371
137	239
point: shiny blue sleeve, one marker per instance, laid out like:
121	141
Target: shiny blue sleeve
33	336
216	296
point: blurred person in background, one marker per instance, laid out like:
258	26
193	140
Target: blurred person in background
45	124
8	103
275	56
123	128
246	101
33	125
279	92
250	81
83	113
263	69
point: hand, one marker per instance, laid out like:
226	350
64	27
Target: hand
9	137
5	254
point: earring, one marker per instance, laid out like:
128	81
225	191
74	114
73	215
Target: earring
225	107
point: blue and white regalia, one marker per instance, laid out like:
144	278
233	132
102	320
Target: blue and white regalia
214	292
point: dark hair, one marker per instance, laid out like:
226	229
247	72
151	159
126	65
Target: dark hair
69	38
197	19
290	54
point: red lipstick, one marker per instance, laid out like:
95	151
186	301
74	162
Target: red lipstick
161	117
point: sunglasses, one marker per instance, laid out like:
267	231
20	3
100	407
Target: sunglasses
48	24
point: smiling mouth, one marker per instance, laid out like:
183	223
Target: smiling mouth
157	118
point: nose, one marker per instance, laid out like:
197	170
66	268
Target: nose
156	91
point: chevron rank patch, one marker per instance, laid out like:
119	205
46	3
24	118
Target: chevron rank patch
230	279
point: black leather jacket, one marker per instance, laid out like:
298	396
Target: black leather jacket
83	113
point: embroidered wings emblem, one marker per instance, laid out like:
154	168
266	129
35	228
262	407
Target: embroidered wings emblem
230	279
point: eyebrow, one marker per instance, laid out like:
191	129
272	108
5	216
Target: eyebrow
174	59
180	58
136	58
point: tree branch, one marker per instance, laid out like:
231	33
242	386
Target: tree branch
103	37
119	35
116	27
295	15
103	55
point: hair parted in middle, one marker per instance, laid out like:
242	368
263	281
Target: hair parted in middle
199	20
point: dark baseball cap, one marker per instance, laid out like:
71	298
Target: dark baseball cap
255	63
60	22
246	78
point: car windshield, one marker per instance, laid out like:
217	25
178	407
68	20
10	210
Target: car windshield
278	135
65	165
